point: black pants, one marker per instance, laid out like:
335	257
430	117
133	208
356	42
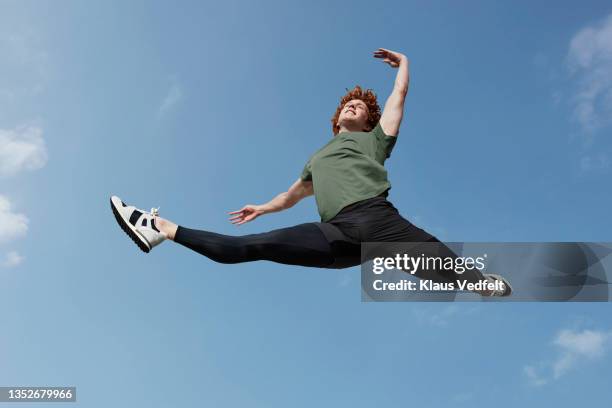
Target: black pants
333	244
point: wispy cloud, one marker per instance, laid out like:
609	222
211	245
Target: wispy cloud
576	346
589	61
24	49
572	349
173	97
11	260
21	149
533	376
24	73
25	63
12	225
596	161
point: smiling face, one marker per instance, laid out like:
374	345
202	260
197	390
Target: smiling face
358	111
354	116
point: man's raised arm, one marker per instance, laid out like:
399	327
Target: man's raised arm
394	107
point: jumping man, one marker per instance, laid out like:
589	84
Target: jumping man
350	184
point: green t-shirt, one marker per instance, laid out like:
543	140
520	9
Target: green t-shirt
349	168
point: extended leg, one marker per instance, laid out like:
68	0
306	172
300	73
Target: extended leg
302	244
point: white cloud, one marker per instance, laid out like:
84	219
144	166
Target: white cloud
590	61
588	343
574	347
12	259
12	225
577	346
21	149
174	95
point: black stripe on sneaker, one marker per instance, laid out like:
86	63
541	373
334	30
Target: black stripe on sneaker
153	224
134	217
144	221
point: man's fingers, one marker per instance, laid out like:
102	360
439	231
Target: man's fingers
383	52
244	215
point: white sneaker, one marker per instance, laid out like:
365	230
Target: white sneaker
506	291
138	224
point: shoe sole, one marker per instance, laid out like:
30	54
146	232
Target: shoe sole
128	230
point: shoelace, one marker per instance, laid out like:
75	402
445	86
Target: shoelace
155	211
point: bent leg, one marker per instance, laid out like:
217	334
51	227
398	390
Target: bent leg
302	244
389	226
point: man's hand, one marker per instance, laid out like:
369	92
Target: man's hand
390	57
247	213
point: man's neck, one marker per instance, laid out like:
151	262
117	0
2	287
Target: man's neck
351	129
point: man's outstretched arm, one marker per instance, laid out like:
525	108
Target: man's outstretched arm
288	199
394	107
298	190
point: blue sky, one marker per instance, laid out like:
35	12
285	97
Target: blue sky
201	108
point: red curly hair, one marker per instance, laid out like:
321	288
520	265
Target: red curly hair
368	97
